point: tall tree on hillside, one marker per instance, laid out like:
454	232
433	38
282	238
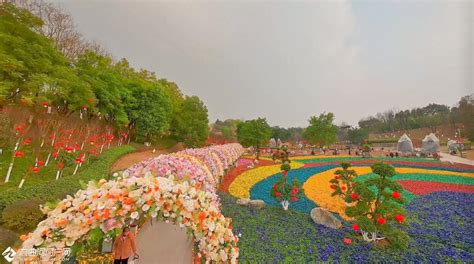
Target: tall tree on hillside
59	27
321	130
192	122
32	69
255	133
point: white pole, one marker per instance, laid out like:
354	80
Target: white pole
10	168
21	183
57	175
47	159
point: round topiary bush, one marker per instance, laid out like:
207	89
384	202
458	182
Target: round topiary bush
22	216
7	238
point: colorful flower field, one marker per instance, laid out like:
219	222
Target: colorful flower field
439	217
179	188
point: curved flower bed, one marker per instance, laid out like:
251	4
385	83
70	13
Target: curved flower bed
436	176
179	166
242	184
204	165
424	188
110	205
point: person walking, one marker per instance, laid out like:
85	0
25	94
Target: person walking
124	245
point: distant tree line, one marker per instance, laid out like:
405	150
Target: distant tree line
43	60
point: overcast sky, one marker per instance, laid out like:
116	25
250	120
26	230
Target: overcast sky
289	60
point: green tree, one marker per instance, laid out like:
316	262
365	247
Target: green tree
378	207
357	135
32	69
281	133
466	111
321	130
255	133
192	123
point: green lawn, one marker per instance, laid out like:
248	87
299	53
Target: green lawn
46	188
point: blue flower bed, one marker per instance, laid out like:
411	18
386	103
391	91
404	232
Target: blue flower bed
261	190
440	227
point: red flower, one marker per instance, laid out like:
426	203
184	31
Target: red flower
343	188
19	154
355	227
275	186
84	107
400	218
69	148
347	241
336	177
396	195
26	141
45	104
354	196
294	199
61	165
40	163
332	186
278	194
79	160
284	173
36	169
381	220
55	154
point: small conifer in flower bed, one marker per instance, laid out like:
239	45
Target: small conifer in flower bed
284	191
378	211
343	183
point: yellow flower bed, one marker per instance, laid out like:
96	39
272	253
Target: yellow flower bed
241	185
318	157
317	190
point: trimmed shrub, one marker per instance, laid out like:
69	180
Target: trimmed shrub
7	238
22	216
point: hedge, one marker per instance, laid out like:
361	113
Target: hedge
54	190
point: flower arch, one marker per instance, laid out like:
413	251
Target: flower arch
109	205
181	167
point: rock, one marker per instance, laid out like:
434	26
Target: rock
325	218
243	201
257	204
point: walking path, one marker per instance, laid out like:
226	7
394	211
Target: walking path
165	243
450	158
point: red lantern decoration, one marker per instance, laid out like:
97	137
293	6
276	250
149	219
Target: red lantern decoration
381	220
396	195
355	227
400	218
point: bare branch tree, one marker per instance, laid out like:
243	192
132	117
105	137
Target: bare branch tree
60	28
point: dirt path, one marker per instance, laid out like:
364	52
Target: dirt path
135	157
164	243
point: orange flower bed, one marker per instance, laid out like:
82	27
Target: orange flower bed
236	171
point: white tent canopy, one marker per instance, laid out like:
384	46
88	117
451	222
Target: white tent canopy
404	144
430	144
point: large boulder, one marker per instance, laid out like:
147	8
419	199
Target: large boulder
243	201
325	218
257	204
